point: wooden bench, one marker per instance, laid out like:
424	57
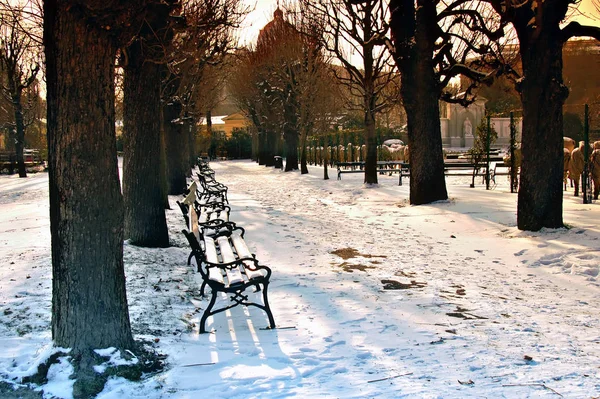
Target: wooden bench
227	265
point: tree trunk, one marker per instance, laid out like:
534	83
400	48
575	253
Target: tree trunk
371	161
192	143
262	144
89	303
414	50
291	143
164	184
303	166
145	221
20	138
212	148
270	148
176	148
543	95
325	163
187	131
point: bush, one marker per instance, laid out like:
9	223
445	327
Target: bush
239	144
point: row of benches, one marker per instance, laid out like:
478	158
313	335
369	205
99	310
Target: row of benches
403	168
219	250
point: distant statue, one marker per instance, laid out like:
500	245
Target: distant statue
468	128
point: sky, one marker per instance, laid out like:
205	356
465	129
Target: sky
263	13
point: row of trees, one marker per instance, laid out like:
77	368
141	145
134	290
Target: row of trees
430	43
21	104
163	48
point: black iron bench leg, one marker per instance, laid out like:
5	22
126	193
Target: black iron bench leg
207	312
267	307
202	287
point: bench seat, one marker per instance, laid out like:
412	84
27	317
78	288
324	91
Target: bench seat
227	265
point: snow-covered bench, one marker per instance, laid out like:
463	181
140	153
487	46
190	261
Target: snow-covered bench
227	265
209	187
205	214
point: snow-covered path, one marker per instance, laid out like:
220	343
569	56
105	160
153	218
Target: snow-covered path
482	309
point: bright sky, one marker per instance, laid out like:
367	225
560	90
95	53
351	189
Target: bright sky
263	13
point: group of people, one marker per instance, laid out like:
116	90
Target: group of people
574	164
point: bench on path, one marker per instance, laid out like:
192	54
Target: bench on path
212	215
227	265
211	188
389	167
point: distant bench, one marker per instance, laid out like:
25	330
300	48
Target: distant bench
8	159
390	167
403	168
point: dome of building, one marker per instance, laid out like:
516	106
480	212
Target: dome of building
276	31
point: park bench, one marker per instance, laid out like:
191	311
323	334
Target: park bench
211	188
8	159
388	167
278	162
213	215
227	266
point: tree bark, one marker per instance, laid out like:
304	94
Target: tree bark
291	142
303	155
543	95
414	50
20	137
187	131
89	303
176	148
164	184
370	101
290	132
145	221
371	139
270	144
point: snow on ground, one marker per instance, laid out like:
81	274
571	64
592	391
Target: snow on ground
481	309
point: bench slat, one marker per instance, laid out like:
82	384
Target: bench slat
233	275
243	252
203	218
210	250
240	246
226	250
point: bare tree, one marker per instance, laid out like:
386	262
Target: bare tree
256	94
208	95
434	42
543	93
357	29
296	71
206	39
19	51
145	221
89	302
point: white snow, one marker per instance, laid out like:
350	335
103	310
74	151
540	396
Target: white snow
487	310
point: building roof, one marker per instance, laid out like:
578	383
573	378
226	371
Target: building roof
215	120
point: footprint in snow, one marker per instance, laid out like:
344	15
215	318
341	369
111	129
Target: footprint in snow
338	343
364	355
521	252
355	321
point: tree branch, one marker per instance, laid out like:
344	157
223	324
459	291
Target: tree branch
575	29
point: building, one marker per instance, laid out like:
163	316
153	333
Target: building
226	123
